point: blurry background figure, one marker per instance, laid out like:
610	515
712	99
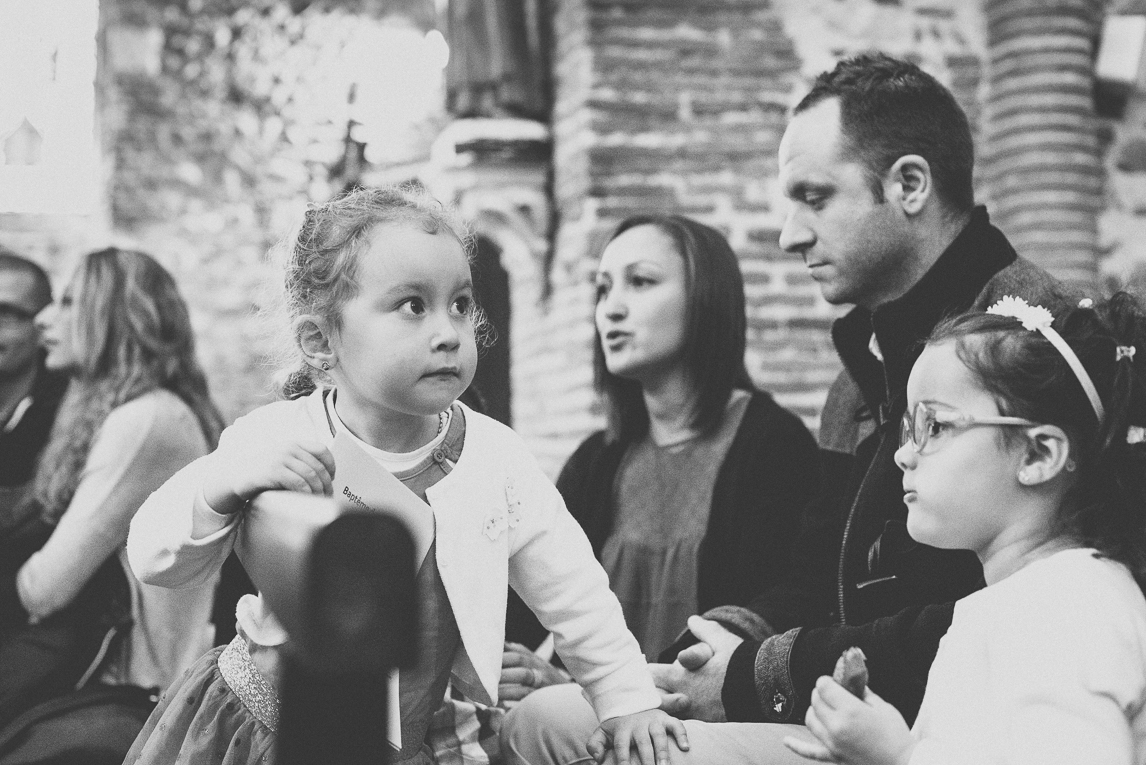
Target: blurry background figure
136	411
29	392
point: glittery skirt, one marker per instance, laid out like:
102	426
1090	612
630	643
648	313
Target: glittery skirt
218	712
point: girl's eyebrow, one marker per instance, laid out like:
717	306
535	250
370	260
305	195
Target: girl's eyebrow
421	287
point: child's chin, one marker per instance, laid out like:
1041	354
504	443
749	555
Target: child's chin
922	530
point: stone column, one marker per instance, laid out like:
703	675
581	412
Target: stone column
1042	167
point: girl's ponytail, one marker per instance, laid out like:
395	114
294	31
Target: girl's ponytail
1118	520
299	383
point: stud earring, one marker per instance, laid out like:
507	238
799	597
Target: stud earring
1024	477
326	366
1071	466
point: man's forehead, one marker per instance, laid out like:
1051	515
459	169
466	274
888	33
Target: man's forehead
813	133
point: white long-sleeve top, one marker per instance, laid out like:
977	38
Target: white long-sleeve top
1046	667
498	521
139	446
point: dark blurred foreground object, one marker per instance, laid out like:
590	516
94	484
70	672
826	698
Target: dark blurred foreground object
350	608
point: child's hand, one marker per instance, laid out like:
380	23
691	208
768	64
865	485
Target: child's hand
644	730
242	470
868	732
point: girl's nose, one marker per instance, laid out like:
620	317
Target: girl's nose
905	456
446	335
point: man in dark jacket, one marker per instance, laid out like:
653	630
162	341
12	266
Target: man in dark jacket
877	163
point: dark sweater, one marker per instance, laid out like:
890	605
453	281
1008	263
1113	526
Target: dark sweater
767	476
859	579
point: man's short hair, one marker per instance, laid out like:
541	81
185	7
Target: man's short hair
890	108
41	284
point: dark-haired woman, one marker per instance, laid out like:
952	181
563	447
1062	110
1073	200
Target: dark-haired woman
692	495
136	411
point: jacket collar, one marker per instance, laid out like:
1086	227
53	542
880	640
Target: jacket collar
901	325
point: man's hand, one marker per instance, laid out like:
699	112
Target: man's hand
523	672
691	685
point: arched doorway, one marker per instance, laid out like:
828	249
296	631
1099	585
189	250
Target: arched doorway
491	287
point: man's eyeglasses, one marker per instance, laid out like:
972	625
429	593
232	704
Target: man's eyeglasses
923	422
11	315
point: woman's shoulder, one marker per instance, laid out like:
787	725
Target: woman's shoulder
764	417
156	410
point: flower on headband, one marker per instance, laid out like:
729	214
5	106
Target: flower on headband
1032	316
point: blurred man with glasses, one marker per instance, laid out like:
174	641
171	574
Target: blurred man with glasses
29	394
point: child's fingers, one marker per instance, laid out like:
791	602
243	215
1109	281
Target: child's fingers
816	727
598	745
302	476
648	752
809	749
321	472
622	744
322	454
677	730
832	694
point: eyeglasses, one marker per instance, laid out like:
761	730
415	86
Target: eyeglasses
11	315
921	424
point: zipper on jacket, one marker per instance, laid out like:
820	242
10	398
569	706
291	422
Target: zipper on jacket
851	517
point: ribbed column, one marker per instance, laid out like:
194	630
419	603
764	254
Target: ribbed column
1042	168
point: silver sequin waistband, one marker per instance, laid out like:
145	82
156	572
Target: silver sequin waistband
253	690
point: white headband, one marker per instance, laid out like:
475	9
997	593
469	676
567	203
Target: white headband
1037	318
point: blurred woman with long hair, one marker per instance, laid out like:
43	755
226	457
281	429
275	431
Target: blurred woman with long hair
137	410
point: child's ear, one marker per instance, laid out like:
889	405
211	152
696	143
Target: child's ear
1048	455
315	337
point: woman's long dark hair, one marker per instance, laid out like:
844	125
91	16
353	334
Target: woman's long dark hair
716	327
133	334
1029	378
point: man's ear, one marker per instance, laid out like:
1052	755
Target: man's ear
315	336
911	183
1048	455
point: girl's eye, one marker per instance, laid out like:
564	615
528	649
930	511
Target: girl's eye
641	281
935	428
413	306
463	305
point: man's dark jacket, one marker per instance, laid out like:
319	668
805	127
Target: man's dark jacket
858	578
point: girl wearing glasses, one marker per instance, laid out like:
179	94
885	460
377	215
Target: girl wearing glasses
1023	443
